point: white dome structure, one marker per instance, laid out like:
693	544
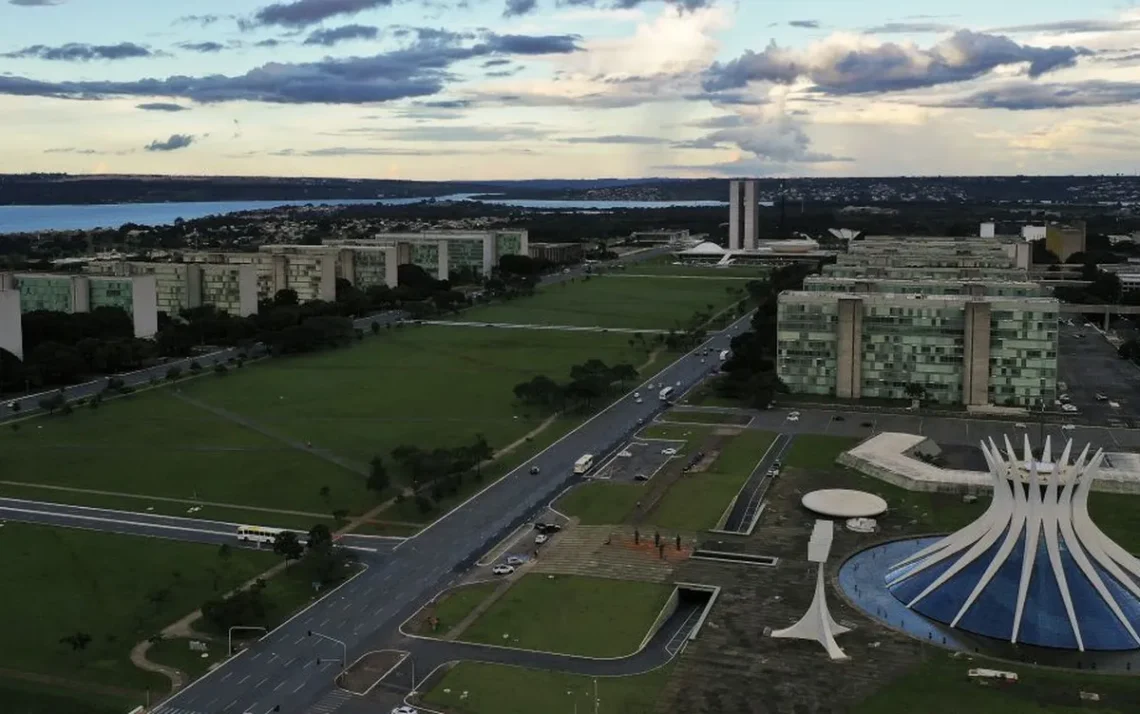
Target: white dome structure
706	248
1034	568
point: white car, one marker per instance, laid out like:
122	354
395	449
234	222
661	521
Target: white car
1068	427
626	454
1018	425
637	395
669	452
1114	405
405	710
515	560
793	417
1068	408
649	386
503	569
637	400
540	539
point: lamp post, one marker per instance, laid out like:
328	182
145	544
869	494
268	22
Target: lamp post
344	648
240	627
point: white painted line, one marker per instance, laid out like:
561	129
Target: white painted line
279	685
228	675
299	687
242	680
263	681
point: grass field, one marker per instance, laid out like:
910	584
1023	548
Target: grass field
697	501
693	417
476	688
611	301
940	686
664	266
817	451
457	604
117	589
598	503
595	617
22	697
175	652
429	387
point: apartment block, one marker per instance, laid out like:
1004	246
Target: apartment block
11	328
441	253
181	286
135	295
960	348
1063	240
974	287
558	252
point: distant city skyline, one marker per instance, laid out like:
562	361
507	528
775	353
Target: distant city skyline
517	89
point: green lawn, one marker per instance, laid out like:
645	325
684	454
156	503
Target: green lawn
596	617
613	301
175	652
817	451
598	503
22	697
693	417
117	589
697	501
429	387
664	266
477	688
677	432
940	686
457	604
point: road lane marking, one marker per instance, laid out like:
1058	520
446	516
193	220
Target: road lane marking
228	675
279	685
299	640
263	681
299	687
242	680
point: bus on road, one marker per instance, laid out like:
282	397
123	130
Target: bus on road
666	393
258	534
584	464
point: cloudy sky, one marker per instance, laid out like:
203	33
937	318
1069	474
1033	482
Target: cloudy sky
498	89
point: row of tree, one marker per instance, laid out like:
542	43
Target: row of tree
589	381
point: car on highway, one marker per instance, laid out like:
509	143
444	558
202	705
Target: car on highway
638	400
1101	397
1019	425
669	451
640	477
1068	407
502	570
534	470
540	539
547	527
1114	405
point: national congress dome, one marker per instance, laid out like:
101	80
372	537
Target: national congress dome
1034	568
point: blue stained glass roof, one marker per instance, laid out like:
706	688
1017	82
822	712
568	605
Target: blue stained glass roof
1045	621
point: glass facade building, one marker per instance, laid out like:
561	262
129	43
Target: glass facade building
134	295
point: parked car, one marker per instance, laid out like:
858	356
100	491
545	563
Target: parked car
669	451
1101	397
1068	427
502	570
641	477
515	560
405	710
540	539
1019	425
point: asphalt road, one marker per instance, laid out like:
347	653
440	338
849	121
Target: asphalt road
753	491
1089	365
283	670
158	526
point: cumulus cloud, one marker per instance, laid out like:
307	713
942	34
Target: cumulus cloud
175	142
203	47
418	70
780	140
81	52
1027	96
303	13
854	65
331	36
161	107
201	20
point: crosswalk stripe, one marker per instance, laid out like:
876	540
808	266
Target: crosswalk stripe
330	702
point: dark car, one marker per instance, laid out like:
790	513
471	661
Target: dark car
641	477
533	470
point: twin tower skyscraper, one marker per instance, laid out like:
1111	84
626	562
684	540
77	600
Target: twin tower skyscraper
743	216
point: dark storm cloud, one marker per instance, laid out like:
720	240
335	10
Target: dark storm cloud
303	13
516	8
161	107
495	63
805	24
331	36
175	142
1027	96
418	70
203	47
80	52
890	67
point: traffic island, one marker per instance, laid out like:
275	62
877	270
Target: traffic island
366	672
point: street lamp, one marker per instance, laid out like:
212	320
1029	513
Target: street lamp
344	648
240	627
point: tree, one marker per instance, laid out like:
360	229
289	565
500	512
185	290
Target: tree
78	641
623	373
375	327
324	492
914	390
285	298
377	475
288	545
50	404
173	372
225	552
319	536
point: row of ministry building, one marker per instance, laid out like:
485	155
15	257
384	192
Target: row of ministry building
957	316
235	282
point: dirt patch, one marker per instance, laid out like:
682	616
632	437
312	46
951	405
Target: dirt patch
706	461
369	670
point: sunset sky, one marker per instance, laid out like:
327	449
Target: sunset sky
509	89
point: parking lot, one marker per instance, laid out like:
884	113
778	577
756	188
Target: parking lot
640	460
1088	365
943	430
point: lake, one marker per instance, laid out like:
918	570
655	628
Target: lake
22	219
